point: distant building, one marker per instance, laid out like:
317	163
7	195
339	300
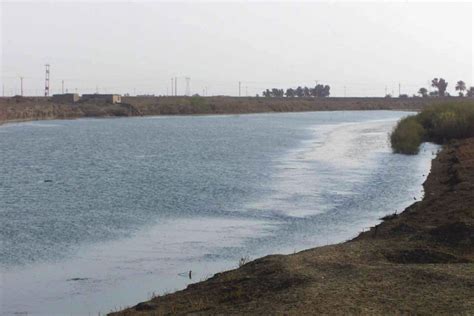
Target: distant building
66	98
109	98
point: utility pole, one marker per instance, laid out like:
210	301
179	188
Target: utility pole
188	87
21	86
62	86
46	81
246	91
399	89
385	90
172	85
176	86
240	84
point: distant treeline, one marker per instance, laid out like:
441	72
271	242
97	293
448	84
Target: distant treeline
441	85
319	91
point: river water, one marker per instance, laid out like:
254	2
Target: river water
98	214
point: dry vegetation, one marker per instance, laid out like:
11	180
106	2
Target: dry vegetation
18	109
416	262
40	108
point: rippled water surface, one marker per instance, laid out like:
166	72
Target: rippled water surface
100	213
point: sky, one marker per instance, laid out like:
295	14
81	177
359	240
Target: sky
358	48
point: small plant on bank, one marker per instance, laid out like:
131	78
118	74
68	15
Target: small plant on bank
243	261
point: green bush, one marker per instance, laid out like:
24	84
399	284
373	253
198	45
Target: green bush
438	124
407	136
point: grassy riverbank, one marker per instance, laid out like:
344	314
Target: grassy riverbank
416	262
14	109
437	123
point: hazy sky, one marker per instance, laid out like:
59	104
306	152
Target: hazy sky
136	47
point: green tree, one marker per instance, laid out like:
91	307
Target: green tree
423	92
470	92
321	91
290	93
306	92
299	92
461	87
441	85
278	93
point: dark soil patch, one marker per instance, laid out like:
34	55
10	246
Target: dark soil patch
423	256
454	233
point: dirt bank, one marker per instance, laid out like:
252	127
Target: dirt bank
14	109
416	262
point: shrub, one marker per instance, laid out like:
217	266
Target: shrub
407	136
439	124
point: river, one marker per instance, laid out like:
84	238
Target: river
98	214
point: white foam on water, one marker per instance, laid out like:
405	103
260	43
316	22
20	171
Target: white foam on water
349	144
337	157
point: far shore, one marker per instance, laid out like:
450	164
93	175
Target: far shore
22	109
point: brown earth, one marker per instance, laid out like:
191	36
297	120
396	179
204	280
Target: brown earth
18	108
420	261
